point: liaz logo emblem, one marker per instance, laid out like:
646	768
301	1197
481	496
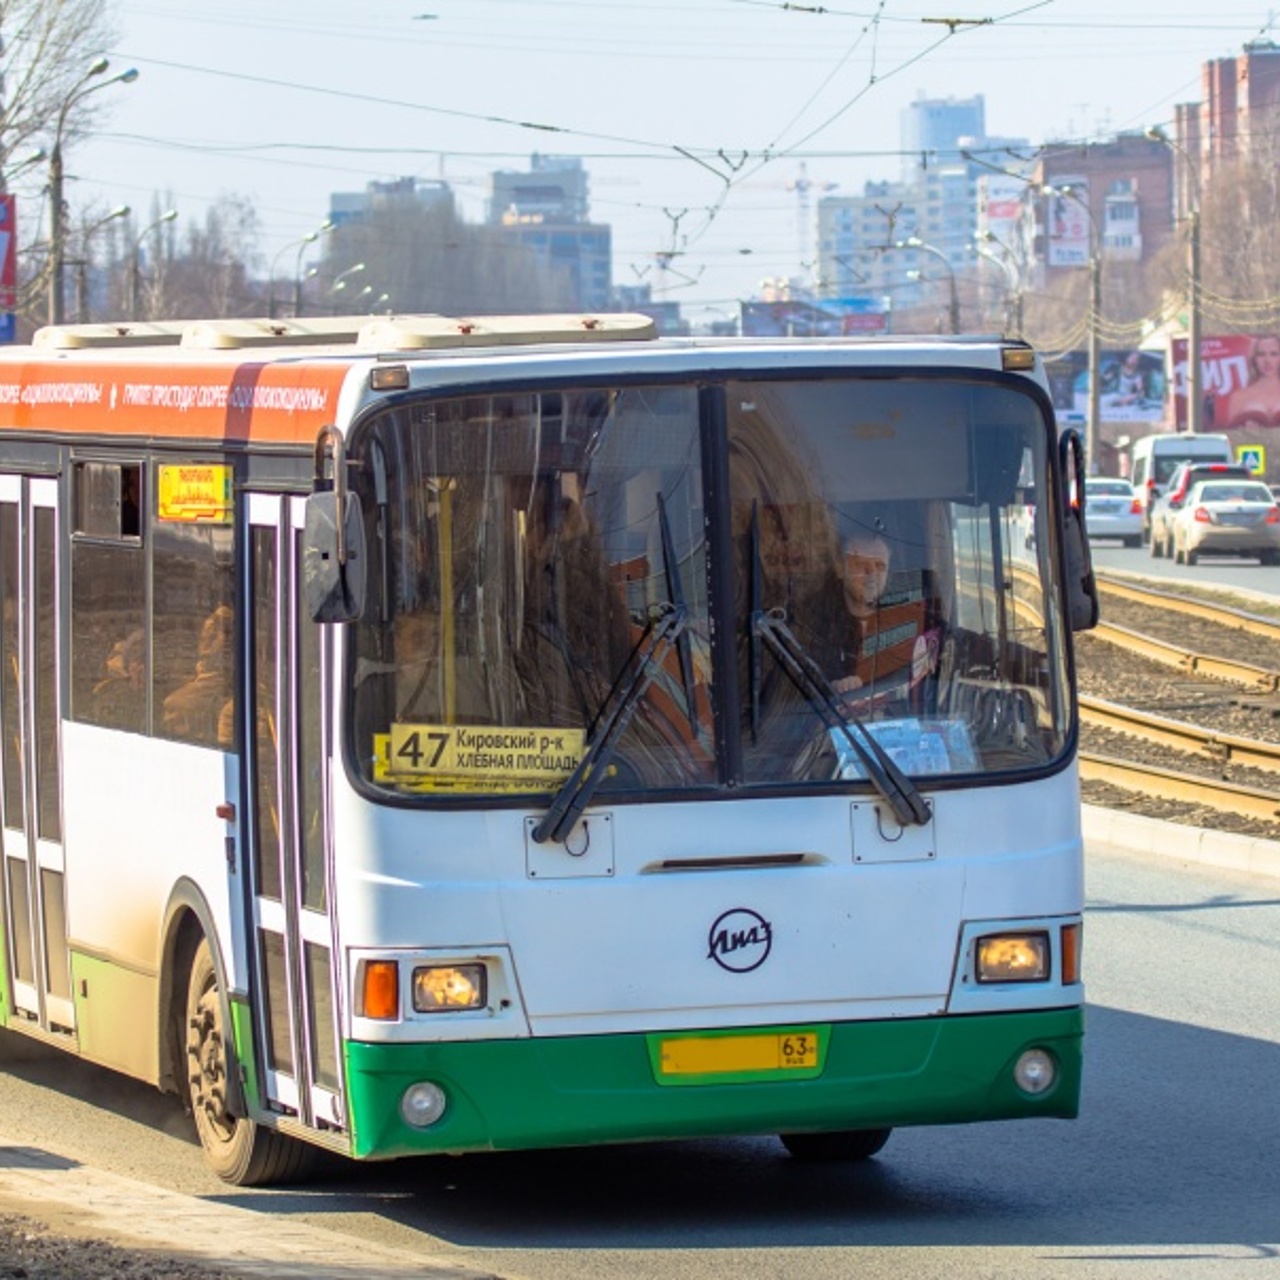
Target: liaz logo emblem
740	940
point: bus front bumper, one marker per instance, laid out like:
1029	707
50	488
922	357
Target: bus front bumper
577	1090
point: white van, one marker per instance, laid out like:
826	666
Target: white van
1154	458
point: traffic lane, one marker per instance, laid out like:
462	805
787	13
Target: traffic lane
1242	572
1173	1158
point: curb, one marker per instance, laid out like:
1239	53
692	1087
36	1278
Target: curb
201	1230
1222	849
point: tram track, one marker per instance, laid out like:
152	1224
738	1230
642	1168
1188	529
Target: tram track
1214	761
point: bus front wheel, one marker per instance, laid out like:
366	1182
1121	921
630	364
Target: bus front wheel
848	1144
238	1150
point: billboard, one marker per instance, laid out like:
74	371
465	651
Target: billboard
1067	223
1133	387
1239	380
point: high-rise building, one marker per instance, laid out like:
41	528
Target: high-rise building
1238	116
547	210
348	207
932	129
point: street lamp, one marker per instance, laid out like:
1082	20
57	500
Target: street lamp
82	265
914	242
340	283
58	230
310	238
1093	419
135	270
1013	273
39	156
1195	371
326	225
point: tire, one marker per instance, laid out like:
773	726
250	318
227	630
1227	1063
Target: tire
847	1144
239	1151
1157	547
1270	557
1189	556
1134	541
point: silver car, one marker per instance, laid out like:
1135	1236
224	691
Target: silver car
1112	509
1227	517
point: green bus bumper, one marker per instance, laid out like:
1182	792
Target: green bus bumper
576	1090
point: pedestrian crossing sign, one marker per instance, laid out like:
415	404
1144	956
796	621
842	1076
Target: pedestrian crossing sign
1253	456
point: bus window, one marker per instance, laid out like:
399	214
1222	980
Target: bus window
193	676
875	517
109	660
525	566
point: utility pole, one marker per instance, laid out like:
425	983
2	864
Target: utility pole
1093	424
1093	421
1195	368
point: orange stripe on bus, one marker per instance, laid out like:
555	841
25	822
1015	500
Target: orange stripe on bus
260	401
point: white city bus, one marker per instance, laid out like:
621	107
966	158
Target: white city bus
424	735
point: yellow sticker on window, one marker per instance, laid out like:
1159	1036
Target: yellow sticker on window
195	493
491	752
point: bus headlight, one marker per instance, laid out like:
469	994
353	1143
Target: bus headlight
1012	957
441	988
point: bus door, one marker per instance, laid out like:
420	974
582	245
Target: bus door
286	702
35	915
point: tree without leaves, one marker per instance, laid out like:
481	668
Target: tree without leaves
47	46
210	275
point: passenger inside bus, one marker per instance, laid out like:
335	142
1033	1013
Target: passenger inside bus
198	710
120	698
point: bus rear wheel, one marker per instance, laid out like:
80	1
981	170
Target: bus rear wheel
847	1144
239	1151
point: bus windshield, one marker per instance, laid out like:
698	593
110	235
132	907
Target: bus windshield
561	574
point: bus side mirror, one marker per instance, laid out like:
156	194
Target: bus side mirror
1082	589
333	544
333	557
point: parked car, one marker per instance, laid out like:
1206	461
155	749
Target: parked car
1175	495
1227	517
1112	509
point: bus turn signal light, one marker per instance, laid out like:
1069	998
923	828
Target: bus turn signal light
1070	954
378	994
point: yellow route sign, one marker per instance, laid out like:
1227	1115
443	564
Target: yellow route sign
488	754
194	493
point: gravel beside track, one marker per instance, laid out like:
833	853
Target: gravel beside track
1106	671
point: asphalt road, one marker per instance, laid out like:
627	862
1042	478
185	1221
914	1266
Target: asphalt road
1235	572
1172	1169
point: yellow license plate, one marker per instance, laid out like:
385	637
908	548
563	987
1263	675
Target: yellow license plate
733	1054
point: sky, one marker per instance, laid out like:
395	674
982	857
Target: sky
709	128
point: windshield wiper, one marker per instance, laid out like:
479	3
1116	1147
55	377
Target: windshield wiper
675	593
898	790
666	627
663	630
